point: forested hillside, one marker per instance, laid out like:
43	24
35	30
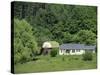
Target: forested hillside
57	22
63	23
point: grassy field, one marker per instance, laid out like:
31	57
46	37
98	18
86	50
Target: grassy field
59	63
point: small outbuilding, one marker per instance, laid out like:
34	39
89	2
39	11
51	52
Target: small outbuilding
75	49
48	46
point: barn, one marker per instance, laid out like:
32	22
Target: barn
48	46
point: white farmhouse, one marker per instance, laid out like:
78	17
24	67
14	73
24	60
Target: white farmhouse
75	49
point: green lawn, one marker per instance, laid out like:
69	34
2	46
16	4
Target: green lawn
59	63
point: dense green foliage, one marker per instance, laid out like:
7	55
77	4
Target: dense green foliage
85	36
62	23
25	45
87	56
54	52
36	23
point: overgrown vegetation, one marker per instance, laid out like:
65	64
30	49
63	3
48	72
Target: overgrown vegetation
62	23
35	23
88	56
54	52
25	44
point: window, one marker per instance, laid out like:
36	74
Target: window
73	51
78	50
67	51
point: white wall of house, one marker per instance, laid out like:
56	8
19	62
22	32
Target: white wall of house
77	52
71	52
93	51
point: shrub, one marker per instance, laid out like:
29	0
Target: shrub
17	58
76	58
87	56
24	42
23	59
53	52
63	58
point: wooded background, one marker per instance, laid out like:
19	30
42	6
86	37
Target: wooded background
35	23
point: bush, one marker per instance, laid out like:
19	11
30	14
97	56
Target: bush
23	59
24	42
75	58
53	52
17	58
63	58
87	56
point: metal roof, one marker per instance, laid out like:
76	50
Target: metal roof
77	46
